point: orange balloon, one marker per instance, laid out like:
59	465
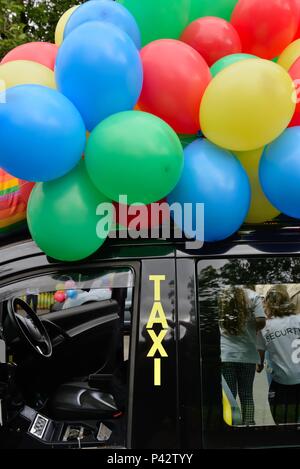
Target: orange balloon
175	79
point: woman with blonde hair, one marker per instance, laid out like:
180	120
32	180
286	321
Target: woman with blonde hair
241	316
281	339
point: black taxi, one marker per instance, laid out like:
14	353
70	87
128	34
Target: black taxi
123	350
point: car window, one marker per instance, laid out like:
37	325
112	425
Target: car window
60	292
87	313
249	312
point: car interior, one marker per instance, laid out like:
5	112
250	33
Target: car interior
67	371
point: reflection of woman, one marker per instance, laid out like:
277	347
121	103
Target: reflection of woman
281	339
241	316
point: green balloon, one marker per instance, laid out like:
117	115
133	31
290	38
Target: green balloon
229	60
220	8
134	154
159	19
62	216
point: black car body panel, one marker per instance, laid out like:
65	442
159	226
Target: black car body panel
175	414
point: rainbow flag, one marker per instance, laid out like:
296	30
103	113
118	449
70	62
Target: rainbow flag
12	206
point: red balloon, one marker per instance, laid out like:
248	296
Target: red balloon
295	122
42	52
25	190
213	38
266	27
60	296
150	216
294	72
297	12
175	79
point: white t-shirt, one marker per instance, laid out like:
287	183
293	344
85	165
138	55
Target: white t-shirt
242	348
281	338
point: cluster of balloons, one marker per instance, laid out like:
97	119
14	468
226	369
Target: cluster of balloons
66	290
181	101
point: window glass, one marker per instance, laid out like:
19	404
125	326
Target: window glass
87	314
250	336
61	291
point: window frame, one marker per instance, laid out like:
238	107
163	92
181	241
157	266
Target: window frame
47	269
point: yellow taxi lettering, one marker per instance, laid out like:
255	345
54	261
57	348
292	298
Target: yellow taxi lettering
157	344
157	317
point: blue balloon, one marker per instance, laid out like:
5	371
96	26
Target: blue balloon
107	11
42	134
213	177
280	172
72	294
99	69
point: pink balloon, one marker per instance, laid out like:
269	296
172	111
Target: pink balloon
42	52
70	285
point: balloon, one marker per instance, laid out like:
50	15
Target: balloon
289	55
99	69
297	12
175	78
213	177
265	27
295	122
229	60
62	216
220	8
40	52
213	38
60	296
60	28
294	73
261	209
134	154
70	285
24	72
159	19
280	172
247	105
72	294
107	11
142	217
42	134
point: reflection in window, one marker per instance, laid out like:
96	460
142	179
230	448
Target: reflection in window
56	292
250	323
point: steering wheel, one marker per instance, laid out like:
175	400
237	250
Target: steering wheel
30	328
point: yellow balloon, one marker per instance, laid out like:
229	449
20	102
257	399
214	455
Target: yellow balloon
25	72
289	55
261	209
60	28
247	105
